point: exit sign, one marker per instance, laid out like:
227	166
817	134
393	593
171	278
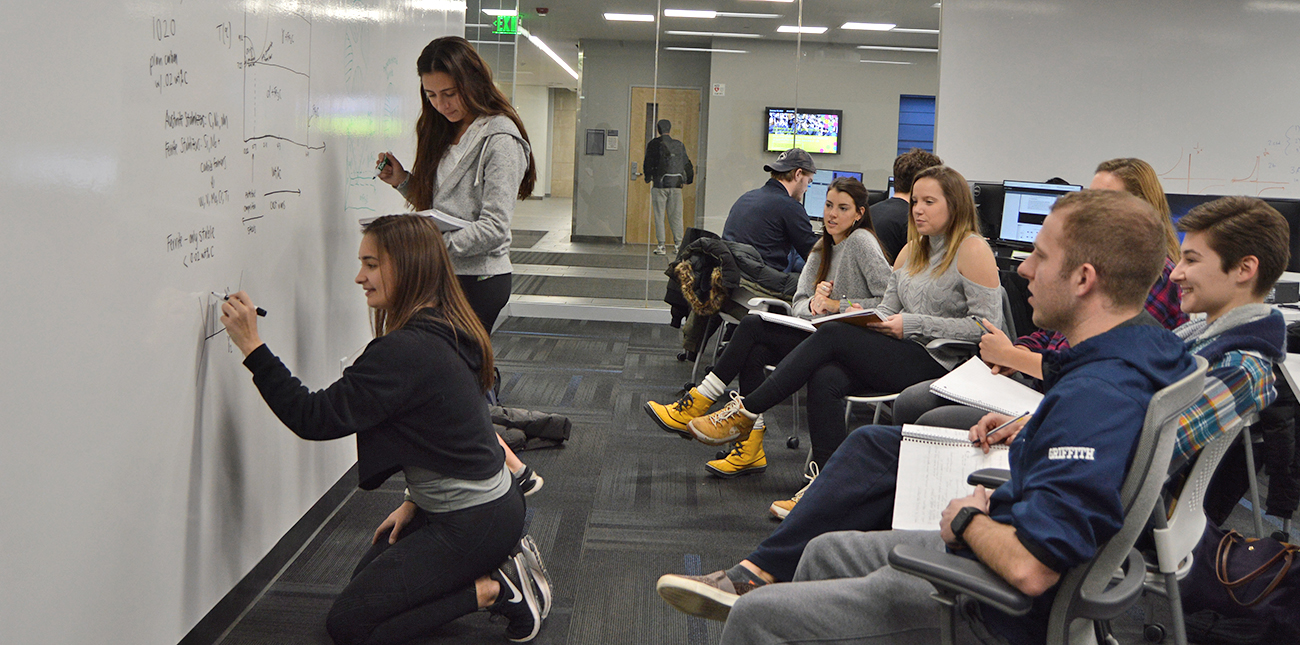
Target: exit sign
506	25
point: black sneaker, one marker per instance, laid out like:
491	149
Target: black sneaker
517	601
529	481
532	558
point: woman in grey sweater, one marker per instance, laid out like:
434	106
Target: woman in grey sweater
845	269
944	280
472	161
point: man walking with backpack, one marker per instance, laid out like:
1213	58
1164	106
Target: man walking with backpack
667	165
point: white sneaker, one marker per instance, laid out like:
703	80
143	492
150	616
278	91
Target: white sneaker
659	250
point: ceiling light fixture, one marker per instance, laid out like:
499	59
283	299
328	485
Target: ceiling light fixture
793	29
932	50
689	13
902	30
868	26
710	34
629	17
738	14
555	57
501	12
885	62
708	49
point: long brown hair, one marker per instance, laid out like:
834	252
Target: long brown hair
424	278
962	220
1140	180
826	246
455	57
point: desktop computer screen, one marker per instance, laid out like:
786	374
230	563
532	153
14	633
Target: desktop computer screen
814	201
1024	207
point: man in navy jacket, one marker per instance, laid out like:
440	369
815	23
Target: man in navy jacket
772	218
1095	258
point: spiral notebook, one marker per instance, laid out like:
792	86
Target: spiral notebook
933	464
973	384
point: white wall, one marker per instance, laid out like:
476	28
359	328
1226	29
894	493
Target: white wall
533	103
1204	90
147	159
829	77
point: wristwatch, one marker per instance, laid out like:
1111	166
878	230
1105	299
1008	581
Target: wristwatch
962	520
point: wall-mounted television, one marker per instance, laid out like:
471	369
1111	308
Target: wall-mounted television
817	131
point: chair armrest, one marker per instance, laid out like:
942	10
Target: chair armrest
989	477
771	304
957	574
1119	596
953	343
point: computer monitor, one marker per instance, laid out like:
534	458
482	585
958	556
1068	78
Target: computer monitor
988	206
1180	204
1290	209
814	200
1025	205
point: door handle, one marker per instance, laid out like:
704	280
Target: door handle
635	174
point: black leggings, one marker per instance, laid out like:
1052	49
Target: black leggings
402	592
487	295
841	360
755	344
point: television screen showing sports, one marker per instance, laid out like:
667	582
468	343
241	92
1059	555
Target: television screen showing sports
815	130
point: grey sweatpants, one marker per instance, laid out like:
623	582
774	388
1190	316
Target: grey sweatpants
667	200
846	592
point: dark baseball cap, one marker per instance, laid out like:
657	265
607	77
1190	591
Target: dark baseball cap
791	159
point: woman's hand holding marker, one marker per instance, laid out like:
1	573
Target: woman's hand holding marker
239	315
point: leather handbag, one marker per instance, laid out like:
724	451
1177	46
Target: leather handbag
1243	579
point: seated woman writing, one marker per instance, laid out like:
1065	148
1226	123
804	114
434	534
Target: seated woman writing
945	279
414	399
846	268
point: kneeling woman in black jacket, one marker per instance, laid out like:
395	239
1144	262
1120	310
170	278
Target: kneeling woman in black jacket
414	399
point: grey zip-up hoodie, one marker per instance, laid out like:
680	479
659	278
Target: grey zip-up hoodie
481	188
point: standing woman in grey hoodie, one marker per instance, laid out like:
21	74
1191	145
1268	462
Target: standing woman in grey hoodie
472	161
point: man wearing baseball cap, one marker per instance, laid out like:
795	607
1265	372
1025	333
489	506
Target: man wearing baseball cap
772	218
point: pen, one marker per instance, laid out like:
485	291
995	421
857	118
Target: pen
979	322
995	430
225	296
380	166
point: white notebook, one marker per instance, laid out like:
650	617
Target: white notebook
859	318
933	464
445	222
973	384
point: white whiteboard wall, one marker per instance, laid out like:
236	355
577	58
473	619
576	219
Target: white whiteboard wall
1204	90
153	151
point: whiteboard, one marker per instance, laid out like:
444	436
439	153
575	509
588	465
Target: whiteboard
1204	90
154	151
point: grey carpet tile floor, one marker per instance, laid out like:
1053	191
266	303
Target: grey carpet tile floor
623	502
590	287
656	263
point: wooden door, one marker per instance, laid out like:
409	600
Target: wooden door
682	108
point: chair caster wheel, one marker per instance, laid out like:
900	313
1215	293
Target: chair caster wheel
792	443
1153	633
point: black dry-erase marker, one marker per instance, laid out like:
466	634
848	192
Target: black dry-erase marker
260	311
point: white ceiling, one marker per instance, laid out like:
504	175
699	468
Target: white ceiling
568	21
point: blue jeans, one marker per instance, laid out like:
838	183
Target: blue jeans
854	492
403	591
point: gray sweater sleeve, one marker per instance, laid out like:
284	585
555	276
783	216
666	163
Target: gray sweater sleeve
807	286
864	273
503	165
